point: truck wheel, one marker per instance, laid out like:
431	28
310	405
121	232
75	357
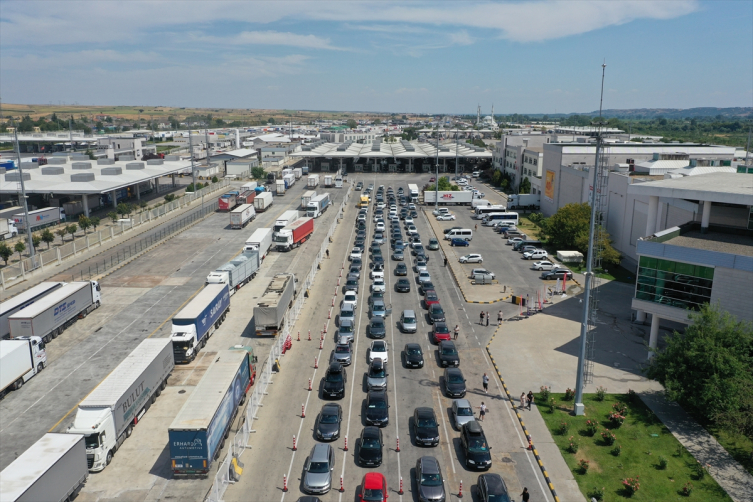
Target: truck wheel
19	383
55	333
40	367
154	398
47	339
108	459
129	431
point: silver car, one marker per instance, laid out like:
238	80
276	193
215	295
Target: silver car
317	471
377	377
462	412
342	354
429	480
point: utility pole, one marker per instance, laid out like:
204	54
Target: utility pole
436	178
193	168
70	133
29	242
456	153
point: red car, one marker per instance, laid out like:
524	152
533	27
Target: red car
373	488
440	331
430	297
432	179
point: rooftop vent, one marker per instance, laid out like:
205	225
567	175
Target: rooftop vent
172	158
105	162
29	165
82	177
135	165
81	165
126	158
56	160
16	176
155	162
112	171
52	170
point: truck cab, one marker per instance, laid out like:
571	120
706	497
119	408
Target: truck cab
101	439
338	181
184	341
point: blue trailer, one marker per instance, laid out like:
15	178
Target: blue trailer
197	435
196	322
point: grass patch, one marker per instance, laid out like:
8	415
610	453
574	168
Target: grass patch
616	273
737	445
529	228
647	451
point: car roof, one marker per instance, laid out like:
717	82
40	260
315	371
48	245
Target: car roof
373	480
320	452
494	482
377	394
335	366
378	362
454	370
462	403
370	431
446	343
378	343
412	345
330	408
409	313
344	322
424	411
473	427
429	465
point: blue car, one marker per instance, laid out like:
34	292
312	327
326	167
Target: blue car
459	242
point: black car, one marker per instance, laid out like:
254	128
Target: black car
414	357
448	354
356	262
377	259
436	313
454	382
377	328
370	447
377	408
327	426
473	441
402	286
425	427
399	242
401	269
334	381
414	214
492	488
426	286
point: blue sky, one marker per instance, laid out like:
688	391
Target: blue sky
418	57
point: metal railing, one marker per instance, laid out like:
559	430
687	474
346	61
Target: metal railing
225	471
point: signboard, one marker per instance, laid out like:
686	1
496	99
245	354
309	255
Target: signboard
549	186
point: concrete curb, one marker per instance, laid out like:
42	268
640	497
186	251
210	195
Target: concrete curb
520	419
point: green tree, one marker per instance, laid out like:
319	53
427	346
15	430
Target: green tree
47	237
351	124
271	121
71	229
190	187
113	215
84	222
709	369
36	239
90	155
95	222
19	248
568	229
62	232
496	177
5	252
525	186
377	121
215	179
258	173
123	208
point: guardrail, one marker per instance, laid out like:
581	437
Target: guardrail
28	267
226	474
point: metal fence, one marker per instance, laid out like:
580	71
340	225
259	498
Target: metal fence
21	271
225	472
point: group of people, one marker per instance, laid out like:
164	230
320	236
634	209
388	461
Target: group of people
485	316
526	400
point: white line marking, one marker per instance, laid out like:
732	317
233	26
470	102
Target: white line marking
450	444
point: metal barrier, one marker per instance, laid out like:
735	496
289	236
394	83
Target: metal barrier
225	474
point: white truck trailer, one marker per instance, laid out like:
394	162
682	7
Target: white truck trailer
329	181
51	470
338	181
449	197
241	215
51	315
251	185
280	187
306	198
524	201
237	272
313	181
23	300
108	414
298	172
261	241
7	229
263	201
285	219
269	312
318	205
20	360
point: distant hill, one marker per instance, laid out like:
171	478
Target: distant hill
676	113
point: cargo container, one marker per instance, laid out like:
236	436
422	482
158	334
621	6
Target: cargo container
460	197
280	187
52	470
241	215
20	359
261	241
7	229
246	197
228	201
286	171
260	189
294	234
197	434
251	185
313	181
263	201
338	181
237	272
108	414
269	312
523	201
318	205
329	181
39	218
195	323
23	300
289	180
305	170
298	172
51	315
306	198
285	219
480	203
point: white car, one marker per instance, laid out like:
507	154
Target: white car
411	207
468	188
471	258
356	253
441	210
378	350
414	243
536	254
462	182
378	285
379	227
381	205
408	221
424	276
350	298
412	230
482	271
476	174
445	217
377	274
543	265
514	240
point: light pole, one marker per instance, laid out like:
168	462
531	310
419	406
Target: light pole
436	178
23	192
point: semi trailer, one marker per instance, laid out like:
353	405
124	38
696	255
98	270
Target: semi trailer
317	205
195	323
269	312
237	272
460	197
261	241
23	300
313	181
262	201
280	187
294	234
306	198
20	359
241	215
285	219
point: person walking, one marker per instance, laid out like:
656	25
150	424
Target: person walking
487	318
481	316
445	261
476	227
499	318
482	412
523	400
485	380
457	330
327	251
525	496
530	400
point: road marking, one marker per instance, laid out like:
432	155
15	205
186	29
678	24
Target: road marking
450	444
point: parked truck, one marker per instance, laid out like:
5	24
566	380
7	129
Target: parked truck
228	201
338	181
306	198
52	470
38	218
298	172
195	323
23	300
108	414
318	205
329	181
197	434
7	229
246	197
241	215
313	181
285	219
289	180
20	359
260	189
480	203
305	170
269	312
280	187
460	197
263	201
523	201
237	272
260	241
251	185
294	235
51	315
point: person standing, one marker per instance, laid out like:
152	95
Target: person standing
525	496
487	318
499	318
530	400
485	380
482	412
457	331
523	400
481	316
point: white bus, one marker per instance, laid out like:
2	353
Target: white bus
481	211
509	218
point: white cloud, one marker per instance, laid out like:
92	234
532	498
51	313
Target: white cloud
270	38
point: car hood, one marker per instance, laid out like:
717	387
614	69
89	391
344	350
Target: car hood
376	413
332	386
456	387
328	429
374	454
449	357
413	358
317	480
427	432
431	492
376	381
480	456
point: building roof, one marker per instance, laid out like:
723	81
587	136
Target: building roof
398	150
660	166
695	171
728	188
241	152
715	241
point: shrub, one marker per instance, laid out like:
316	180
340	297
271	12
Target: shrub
552	405
544	393
620	408
662	463
215	179
631	485
169	197
608	437
700	471
573	446
569	394
616	420
190	187
616	450
591	427
584	465
563	428
600	393
596	493
687	489
632	396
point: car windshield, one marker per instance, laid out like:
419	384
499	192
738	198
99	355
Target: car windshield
377	323
431	480
334	377
436	309
370	443
449	351
455	378
342	349
477	445
377	372
378	347
414	351
377	404
329	419
373	495
409	320
319	467
427	422
464	412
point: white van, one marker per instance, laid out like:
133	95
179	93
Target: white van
459	233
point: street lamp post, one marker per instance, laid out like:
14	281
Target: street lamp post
436	178
23	193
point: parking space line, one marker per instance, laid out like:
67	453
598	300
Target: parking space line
446	435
